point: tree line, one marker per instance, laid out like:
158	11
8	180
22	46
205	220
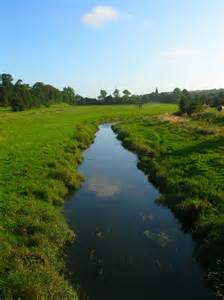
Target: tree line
189	101
126	97
194	102
21	96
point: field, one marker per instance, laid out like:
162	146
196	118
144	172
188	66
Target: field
40	150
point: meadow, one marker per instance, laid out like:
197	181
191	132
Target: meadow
40	151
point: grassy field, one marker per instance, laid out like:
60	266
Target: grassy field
39	153
184	158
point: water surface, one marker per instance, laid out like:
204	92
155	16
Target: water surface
128	246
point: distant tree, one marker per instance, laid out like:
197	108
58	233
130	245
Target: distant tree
45	94
19	82
116	94
6	79
17	104
126	95
184	104
6	89
204	99
68	95
38	93
177	94
157	91
22	97
109	99
219	99
186	93
135	99
194	108
103	95
78	98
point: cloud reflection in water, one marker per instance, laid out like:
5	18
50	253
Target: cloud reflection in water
103	187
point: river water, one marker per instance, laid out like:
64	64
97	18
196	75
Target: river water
128	246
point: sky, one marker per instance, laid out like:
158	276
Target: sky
125	44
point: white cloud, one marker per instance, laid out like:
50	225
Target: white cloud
100	15
181	53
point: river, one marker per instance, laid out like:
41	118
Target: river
128	246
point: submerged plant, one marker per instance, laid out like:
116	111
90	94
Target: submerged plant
161	238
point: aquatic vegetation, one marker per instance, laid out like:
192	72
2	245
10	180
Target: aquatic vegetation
216	278
100	235
161	238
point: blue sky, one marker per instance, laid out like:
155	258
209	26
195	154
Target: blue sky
110	44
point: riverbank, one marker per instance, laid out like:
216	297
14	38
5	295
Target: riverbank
184	159
35	232
40	150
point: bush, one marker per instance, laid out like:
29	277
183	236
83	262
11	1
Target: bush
192	209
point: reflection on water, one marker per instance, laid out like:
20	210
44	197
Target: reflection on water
128	247
102	186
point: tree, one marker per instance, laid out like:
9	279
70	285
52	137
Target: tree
68	95
219	99
177	94
186	93
45	94
194	107
6	79
116	94
21	98
204	99
126	94
185	101
6	89
103	95
184	104
157	91
19	82
17	104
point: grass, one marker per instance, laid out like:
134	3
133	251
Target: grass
184	158
40	150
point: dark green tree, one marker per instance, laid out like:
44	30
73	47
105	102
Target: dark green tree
22	97
116	94
103	95
126	95
177	94
6	89
69	95
194	107
184	104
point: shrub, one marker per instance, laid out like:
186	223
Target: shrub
192	209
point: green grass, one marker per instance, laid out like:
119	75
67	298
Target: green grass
40	150
184	158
